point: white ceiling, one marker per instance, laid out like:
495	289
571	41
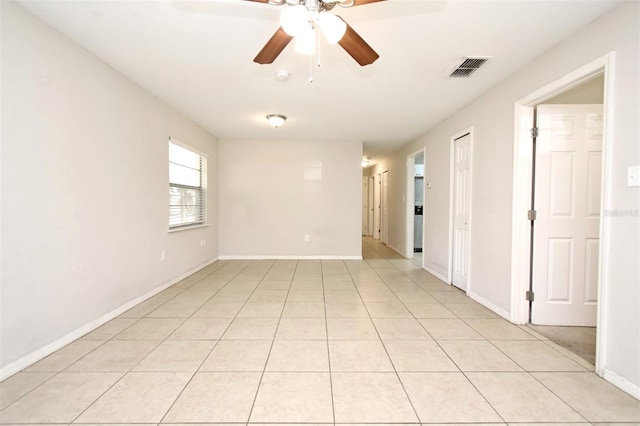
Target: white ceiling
198	57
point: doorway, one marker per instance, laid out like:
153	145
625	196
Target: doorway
561	250
415	207
565	230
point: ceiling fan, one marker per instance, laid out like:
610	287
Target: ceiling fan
300	20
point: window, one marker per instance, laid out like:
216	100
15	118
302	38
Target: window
187	186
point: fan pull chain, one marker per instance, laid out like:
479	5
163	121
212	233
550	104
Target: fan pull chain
310	69
318	46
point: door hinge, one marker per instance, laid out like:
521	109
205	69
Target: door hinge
534	132
530	296
532	215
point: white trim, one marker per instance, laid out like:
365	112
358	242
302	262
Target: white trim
186	228
189	147
288	257
621	383
35	356
522	164
520	225
409	220
468	130
396	250
436	274
489	305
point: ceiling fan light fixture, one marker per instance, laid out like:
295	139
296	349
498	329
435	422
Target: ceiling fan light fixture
306	41
332	27
276	120
294	20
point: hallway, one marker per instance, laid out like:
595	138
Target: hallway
328	342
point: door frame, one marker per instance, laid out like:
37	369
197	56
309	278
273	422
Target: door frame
522	187
410	202
468	130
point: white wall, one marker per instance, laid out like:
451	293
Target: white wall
590	92
84	189
273	193
492	119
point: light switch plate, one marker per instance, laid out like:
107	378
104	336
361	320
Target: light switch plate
633	176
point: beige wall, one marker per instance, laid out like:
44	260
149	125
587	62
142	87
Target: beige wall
84	191
273	193
590	92
492	119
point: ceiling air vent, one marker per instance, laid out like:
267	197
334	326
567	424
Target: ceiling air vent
468	67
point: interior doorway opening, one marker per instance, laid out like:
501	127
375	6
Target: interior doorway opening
537	198
415	207
567	168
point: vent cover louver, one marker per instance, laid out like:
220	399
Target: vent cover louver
468	67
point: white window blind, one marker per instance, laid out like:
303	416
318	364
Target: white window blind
187	186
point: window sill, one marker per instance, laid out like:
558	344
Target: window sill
186	228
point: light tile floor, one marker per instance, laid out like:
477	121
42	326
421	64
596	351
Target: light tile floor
322	342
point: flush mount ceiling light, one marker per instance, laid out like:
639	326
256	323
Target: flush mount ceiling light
276	120
366	161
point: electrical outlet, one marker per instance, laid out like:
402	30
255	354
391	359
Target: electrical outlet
306	238
203	243
163	255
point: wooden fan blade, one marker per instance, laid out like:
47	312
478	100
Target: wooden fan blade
259	1
357	47
274	46
357	2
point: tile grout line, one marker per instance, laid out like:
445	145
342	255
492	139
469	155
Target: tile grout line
445	352
514	361
326	326
275	334
66	369
214	345
415	412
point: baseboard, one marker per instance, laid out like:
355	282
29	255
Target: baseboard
489	305
436	274
35	356
279	257
401	253
621	383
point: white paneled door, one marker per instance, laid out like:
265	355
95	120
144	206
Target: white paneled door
461	211
370	223
365	204
384	231
376	207
567	204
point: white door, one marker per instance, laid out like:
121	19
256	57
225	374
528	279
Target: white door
365	212
370	206
385	208
376	208
461	210
567	203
